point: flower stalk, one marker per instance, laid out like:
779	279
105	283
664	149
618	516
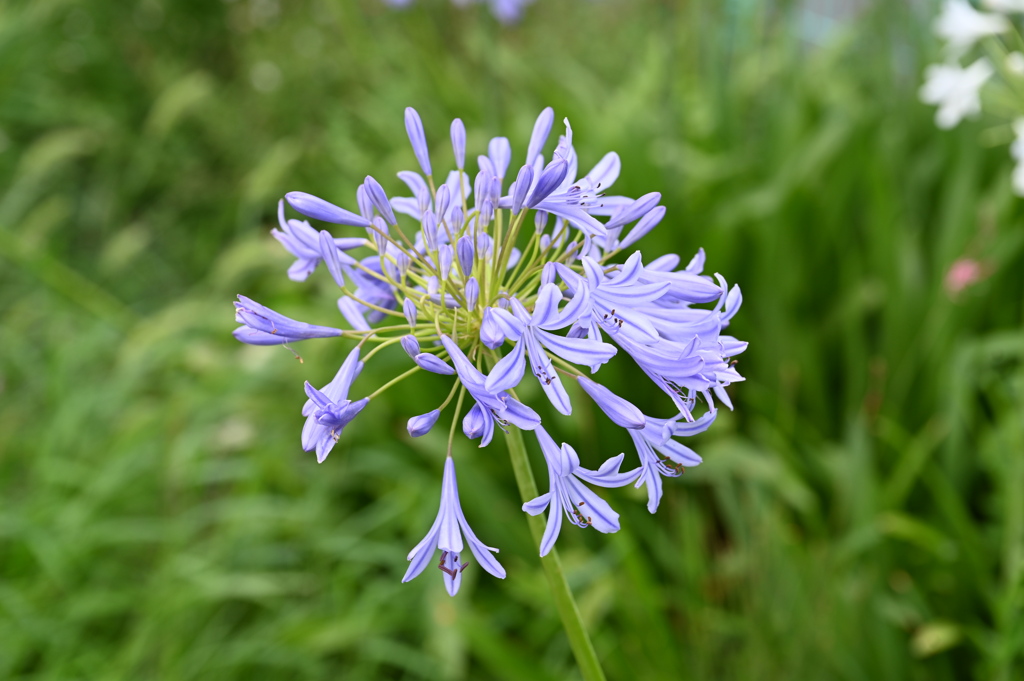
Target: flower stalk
579	639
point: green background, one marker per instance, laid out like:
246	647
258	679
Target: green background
859	517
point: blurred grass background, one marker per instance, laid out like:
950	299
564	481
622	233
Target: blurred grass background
859	517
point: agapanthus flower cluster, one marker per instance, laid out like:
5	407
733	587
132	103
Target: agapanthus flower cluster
505	11
483	279
982	52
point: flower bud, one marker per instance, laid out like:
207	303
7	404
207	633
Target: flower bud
379	199
522	186
464	248
414	128
500	153
444	258
490	333
430	230
442	200
486	212
547	274
364	203
541	130
421	425
549	181
409	308
456	220
459	143
379	234
433	364
540	221
410	345
472	293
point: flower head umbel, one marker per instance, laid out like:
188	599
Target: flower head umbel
478	277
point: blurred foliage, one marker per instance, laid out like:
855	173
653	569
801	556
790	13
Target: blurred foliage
859	516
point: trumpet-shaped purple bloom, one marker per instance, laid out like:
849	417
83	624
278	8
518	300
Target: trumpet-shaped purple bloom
318	209
492	406
622	412
649	317
263	326
533	332
568	494
445	535
471	286
614	303
302	241
661	456
329	410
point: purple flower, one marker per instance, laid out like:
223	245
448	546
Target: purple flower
302	241
458	269
533	333
661	456
445	535
263	326
329	410
318	209
577	502
490	404
615	303
620	411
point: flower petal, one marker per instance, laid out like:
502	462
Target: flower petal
576	350
537	506
551	530
509	370
620	411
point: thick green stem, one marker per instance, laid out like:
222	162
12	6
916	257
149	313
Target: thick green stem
579	639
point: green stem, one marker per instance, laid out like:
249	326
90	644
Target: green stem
397	379
579	639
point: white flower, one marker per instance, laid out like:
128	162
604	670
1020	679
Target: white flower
962	25
1005	6
954	90
1017	153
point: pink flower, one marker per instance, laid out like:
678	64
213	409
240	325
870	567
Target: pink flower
962	273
